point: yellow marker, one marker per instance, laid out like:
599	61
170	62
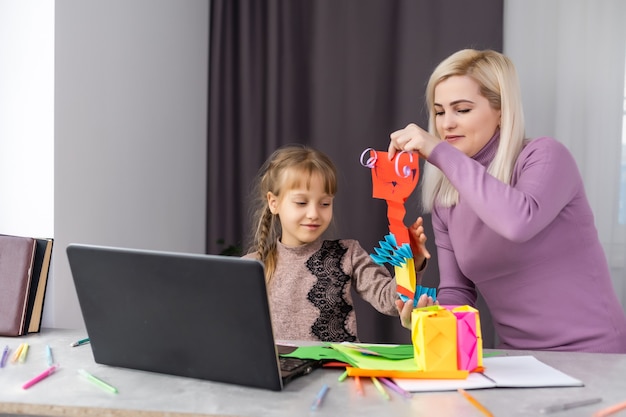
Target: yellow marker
23	353
380	388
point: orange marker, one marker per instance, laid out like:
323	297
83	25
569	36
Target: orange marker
359	387
610	410
475	402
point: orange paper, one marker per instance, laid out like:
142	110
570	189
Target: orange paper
452	374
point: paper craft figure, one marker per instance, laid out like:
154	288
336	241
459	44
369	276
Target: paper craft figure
394	181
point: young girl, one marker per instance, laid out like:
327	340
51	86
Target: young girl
308	278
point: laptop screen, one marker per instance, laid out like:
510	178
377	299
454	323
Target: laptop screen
193	315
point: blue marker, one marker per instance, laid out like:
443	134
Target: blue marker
49	355
319	398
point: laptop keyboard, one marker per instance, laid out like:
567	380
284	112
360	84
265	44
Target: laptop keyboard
289	364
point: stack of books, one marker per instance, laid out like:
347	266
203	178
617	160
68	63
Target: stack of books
24	267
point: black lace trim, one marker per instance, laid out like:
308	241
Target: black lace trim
327	293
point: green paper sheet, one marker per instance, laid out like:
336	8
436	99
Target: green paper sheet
395	357
316	353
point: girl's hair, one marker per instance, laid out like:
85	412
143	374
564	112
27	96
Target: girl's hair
497	79
288	167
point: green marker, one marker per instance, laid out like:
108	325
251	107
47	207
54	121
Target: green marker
80	342
98	381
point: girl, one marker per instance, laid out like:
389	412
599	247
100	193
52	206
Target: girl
309	278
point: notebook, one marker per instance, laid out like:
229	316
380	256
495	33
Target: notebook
524	371
192	315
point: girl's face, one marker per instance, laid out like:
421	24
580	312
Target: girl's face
304	213
463	117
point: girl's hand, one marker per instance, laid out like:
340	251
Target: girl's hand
406	308
412	138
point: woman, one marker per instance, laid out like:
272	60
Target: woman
510	215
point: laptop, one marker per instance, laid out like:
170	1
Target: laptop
192	315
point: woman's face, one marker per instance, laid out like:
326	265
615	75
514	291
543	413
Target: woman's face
463	117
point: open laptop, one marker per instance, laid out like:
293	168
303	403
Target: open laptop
198	316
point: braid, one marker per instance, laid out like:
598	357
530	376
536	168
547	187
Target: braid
266	236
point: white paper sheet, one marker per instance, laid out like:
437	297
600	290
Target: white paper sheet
500	371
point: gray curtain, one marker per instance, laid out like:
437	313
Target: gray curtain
337	75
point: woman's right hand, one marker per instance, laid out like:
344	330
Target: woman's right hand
412	139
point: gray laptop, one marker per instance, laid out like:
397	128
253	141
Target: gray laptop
198	316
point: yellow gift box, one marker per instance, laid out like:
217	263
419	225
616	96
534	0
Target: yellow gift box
434	336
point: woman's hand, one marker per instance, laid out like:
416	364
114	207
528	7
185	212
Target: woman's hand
418	243
412	138
406	308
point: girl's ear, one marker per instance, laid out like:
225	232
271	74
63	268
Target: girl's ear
272	202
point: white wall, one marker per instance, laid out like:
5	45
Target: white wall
130	132
26	117
570	56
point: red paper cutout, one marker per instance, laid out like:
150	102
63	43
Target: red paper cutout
394	181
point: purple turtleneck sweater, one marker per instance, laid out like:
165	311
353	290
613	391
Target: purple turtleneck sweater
531	248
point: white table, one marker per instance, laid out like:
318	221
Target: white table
145	394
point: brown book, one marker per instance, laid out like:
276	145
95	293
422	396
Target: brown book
17	255
38	283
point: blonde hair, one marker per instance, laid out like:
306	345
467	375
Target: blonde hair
287	168
498	82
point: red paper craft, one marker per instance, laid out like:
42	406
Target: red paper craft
394	181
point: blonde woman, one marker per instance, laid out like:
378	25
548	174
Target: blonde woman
510	215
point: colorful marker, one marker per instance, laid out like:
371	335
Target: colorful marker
80	342
392	385
475	402
39	377
16	354
359	387
343	376
610	410
380	388
98	381
320	397
5	355
23	353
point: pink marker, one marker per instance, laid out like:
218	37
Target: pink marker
39	377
